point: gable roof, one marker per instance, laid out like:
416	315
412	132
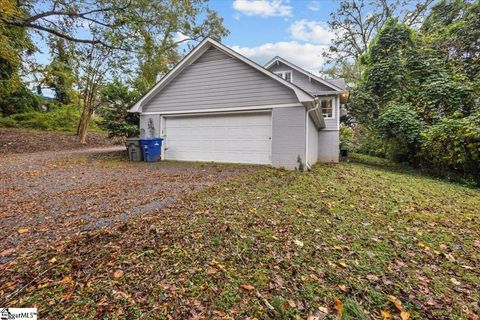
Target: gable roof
195	54
339	82
332	85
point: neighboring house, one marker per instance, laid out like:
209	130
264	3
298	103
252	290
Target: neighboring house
217	105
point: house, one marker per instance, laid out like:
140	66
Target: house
217	105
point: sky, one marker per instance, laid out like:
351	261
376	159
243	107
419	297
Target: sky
262	29
296	30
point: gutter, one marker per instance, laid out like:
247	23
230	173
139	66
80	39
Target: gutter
307	115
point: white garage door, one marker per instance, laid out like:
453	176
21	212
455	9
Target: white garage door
237	138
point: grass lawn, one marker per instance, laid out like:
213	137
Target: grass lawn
364	240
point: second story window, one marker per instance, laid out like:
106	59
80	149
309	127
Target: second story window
287	75
327	108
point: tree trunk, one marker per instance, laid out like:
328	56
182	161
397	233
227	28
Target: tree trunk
84	122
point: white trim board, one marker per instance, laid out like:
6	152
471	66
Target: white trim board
302	95
223	110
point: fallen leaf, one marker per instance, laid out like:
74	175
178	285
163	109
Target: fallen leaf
23	230
404	315
211	271
396	302
298	243
67	295
449	257
343	287
372	277
455	281
248	287
476	243
342	264
338	305
53	260
323	310
278	282
318	315
118	274
7	252
292	303
385	315
66	280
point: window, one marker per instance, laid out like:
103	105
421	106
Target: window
327	108
287	75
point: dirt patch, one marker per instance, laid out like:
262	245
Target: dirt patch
48	197
29	141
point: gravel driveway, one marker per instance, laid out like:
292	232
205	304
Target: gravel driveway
51	196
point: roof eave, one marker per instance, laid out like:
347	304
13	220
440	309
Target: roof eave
302	95
291	65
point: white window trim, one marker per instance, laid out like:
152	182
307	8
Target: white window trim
332	101
281	74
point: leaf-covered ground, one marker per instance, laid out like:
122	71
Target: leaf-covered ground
356	239
28	141
49	197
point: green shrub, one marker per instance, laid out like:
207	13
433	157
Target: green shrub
19	101
346	137
8	122
117	121
400	127
60	118
371	144
454	144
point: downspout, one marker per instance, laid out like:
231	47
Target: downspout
307	115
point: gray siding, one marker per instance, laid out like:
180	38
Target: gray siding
144	130
218	81
312	142
328	146
212	54
288	136
312	86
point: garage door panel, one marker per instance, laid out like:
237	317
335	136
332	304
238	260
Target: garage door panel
240	138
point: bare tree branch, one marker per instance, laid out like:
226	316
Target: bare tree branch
58	33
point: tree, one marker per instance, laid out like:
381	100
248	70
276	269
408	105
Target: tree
14	42
454	29
63	19
59	73
117	98
176	23
403	66
94	63
400	128
144	34
351	71
357	22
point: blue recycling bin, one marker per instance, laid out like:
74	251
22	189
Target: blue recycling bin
151	149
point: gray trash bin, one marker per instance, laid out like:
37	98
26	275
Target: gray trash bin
134	149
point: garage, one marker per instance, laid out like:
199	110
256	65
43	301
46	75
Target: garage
230	137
